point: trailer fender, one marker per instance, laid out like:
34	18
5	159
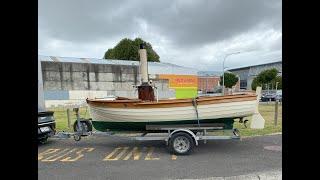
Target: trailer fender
187	131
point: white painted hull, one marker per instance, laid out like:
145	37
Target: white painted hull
211	111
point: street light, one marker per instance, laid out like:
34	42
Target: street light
224	68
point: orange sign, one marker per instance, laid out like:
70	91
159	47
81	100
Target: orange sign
180	80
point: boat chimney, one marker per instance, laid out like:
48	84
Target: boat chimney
145	91
143	64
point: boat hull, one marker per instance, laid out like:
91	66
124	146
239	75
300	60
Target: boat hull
135	115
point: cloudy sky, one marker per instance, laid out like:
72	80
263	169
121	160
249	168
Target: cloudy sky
192	33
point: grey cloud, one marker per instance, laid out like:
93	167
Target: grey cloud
187	23
180	30
211	21
83	20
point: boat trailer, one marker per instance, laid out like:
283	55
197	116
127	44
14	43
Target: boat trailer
181	139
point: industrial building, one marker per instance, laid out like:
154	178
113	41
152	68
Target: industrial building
68	80
248	73
208	81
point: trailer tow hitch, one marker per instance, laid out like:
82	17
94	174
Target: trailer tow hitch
82	127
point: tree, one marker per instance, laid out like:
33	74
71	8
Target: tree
279	80
109	54
255	83
230	79
266	77
127	49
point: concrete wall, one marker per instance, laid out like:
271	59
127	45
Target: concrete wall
66	82
81	76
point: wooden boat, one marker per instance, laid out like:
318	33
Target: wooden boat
123	114
135	114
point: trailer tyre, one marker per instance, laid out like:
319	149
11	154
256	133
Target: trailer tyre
181	143
86	125
43	140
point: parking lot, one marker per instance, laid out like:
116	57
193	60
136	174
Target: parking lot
109	158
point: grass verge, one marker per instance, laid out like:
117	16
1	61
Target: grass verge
267	111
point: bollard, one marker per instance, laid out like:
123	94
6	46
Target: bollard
276	113
68	117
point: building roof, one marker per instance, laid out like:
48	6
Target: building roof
153	67
246	67
209	73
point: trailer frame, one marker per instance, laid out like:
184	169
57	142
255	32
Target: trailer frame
183	136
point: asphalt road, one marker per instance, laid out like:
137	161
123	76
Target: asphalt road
105	158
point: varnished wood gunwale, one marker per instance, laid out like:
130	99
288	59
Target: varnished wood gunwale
138	104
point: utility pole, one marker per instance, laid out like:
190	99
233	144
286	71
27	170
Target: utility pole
206	85
224	68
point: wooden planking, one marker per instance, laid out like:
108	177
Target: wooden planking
169	103
212	111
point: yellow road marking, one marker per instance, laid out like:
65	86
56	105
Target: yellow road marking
119	152
79	153
124	150
112	153
46	152
149	155
56	157
135	153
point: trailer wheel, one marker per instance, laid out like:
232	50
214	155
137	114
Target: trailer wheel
77	137
43	140
86	125
181	143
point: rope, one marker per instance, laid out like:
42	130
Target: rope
194	103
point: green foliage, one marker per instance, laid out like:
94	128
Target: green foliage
127	49
109	54
255	84
268	76
279	80
230	79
